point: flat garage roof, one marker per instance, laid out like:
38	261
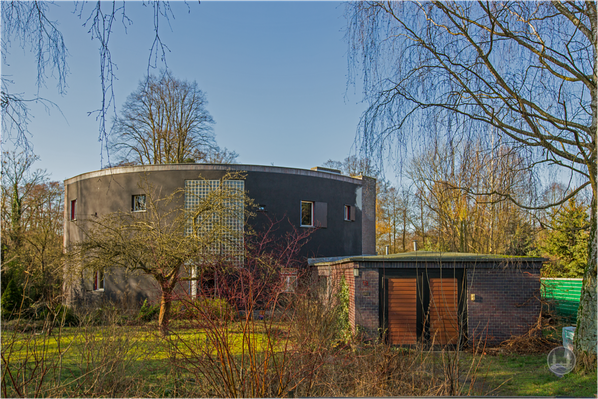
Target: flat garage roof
426	256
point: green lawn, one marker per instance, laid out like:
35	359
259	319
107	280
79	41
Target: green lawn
529	375
73	359
135	361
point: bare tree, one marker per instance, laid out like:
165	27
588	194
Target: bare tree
29	24
164	121
32	219
18	183
393	218
355	166
474	223
218	155
526	70
165	240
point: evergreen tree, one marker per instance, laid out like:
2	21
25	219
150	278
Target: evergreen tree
11	299
566	241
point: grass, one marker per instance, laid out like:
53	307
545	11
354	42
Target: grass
529	375
146	337
146	363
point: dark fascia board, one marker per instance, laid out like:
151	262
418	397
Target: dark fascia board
435	257
211	167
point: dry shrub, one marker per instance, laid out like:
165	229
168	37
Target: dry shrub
315	325
381	370
305	356
85	361
26	366
529	343
111	360
532	342
241	357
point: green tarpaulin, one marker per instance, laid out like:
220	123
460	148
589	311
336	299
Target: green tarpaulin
562	295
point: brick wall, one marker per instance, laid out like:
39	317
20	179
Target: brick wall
367	302
364	297
335	278
507	303
350	279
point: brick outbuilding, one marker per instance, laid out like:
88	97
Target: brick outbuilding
440	298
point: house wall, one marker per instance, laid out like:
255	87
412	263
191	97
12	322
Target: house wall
507	303
279	190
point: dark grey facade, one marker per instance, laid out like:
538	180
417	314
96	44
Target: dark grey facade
278	191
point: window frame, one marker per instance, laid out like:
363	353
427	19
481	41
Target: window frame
99	281
133	197
290	283
312	206
289	280
349	213
73	210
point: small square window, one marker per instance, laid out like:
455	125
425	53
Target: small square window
307	214
139	203
349	213
261	208
74	209
98	281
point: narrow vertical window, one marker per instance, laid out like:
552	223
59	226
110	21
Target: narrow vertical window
98	281
139	204
307	214
74	209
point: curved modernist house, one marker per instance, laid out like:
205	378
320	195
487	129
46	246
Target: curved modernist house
339	209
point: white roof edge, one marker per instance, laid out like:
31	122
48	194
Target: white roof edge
209	167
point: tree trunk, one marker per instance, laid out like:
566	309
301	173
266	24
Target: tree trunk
585	334
404	229
164	318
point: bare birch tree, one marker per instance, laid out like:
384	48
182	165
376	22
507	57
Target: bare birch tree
526	70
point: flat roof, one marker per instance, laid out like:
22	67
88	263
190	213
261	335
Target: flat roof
213	167
426	256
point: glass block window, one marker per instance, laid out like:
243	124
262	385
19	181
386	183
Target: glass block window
225	227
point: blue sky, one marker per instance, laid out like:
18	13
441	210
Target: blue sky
275	76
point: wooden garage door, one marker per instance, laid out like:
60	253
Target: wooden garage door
444	315
402	311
